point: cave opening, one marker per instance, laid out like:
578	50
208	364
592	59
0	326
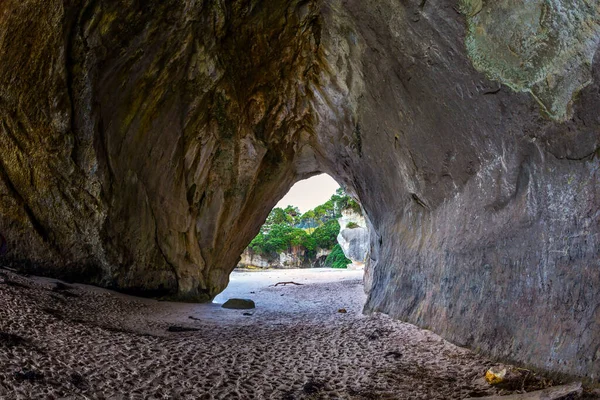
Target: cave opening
315	235
143	144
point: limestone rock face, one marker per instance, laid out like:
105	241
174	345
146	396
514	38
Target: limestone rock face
354	237
137	136
142	145
285	260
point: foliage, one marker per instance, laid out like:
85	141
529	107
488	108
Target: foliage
325	236
286	229
331	209
337	259
352	225
354	206
281	238
279	216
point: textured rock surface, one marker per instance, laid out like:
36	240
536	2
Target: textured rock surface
142	146
544	47
354	241
296	259
137	137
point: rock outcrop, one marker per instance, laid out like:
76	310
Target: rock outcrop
142	145
354	238
286	260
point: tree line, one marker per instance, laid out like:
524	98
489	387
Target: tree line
288	230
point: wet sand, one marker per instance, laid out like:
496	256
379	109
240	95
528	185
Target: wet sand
82	342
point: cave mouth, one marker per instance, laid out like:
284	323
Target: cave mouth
316	233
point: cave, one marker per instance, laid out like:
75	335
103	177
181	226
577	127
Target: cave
142	145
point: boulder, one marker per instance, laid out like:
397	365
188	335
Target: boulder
354	237
355	244
239	304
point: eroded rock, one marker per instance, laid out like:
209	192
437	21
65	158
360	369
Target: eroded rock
143	145
239	304
354	238
297	258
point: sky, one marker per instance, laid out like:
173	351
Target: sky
309	193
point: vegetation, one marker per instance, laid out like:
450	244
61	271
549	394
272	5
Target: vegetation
352	225
286	230
337	259
325	236
280	238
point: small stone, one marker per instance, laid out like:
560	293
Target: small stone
342	311
239	304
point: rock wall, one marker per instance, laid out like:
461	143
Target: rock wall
143	145
484	208
135	137
285	260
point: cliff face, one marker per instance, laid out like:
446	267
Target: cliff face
285	260
143	145
137	137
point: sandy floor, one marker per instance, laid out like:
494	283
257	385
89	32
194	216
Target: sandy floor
81	342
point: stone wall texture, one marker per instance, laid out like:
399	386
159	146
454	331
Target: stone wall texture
142	145
296	258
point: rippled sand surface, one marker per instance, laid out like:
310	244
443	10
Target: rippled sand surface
81	342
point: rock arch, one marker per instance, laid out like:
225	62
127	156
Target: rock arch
142	145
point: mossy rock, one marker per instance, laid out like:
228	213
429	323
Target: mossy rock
239	304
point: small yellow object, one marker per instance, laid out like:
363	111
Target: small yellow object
495	376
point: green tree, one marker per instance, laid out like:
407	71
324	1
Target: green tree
293	214
325	236
308	220
277	217
281	238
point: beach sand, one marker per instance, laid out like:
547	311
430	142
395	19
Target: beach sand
81	342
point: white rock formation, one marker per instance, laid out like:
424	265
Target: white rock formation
354	238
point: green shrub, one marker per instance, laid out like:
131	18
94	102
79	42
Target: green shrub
281	238
354	206
337	259
352	225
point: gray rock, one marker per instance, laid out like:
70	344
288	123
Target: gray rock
354	237
239	304
355	243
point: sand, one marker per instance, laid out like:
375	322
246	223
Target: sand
82	342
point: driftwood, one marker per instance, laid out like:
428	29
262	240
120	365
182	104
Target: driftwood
570	391
287	283
181	329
